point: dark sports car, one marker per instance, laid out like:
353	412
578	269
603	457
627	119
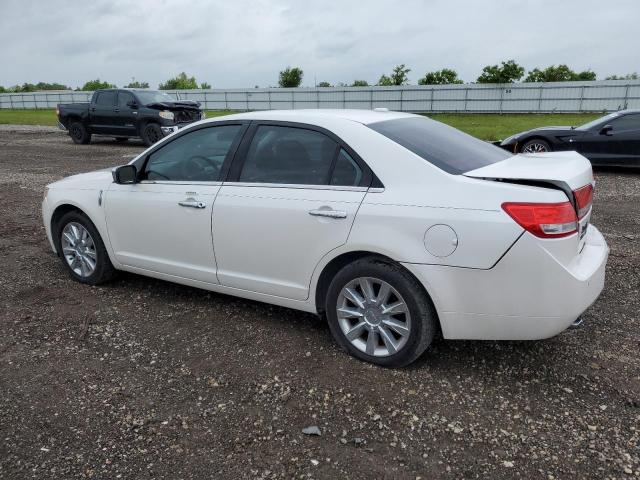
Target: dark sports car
612	140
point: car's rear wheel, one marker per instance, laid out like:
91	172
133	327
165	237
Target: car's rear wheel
379	313
78	133
151	133
535	145
82	250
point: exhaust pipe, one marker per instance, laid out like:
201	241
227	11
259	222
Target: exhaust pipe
577	323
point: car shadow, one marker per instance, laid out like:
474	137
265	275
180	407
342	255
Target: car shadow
442	355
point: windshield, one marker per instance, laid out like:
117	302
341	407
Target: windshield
446	147
149	97
598	121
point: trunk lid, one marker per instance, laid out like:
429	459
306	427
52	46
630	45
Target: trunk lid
567	171
570	168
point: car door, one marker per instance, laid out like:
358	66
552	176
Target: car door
163	222
102	113
614	142
625	140
291	198
125	114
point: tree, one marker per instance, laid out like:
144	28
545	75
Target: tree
180	82
205	86
324	84
586	75
136	84
560	73
290	77
30	87
360	83
96	85
508	72
445	76
628	76
399	76
2	89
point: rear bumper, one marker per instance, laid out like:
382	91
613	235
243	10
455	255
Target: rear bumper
528	295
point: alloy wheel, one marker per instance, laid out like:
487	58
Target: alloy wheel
79	249
535	147
373	316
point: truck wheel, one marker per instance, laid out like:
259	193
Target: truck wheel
151	133
78	133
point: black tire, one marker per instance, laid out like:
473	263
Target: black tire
78	133
535	145
151	133
424	320
104	269
122	139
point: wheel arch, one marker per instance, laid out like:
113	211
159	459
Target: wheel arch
332	267
62	209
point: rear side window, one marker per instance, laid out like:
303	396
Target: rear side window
288	155
446	147
106	98
346	172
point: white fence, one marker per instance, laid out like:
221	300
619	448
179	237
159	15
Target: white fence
598	96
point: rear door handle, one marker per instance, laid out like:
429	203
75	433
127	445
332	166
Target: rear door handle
328	213
192	204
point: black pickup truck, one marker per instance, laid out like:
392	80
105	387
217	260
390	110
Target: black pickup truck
126	113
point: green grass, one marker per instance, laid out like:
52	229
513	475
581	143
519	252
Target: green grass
490	126
28	117
494	126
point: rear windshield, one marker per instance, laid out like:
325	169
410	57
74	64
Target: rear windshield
446	147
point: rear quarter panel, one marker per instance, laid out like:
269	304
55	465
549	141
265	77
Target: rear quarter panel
417	195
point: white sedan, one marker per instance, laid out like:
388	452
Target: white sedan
393	226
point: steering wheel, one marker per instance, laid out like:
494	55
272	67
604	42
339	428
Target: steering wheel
197	164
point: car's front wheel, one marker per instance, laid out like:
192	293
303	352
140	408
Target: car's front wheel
82	250
151	133
379	313
535	145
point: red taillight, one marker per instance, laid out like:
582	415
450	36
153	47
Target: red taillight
584	199
545	220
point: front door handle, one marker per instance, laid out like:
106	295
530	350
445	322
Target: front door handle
328	213
192	204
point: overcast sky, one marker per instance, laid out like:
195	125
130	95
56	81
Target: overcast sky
246	43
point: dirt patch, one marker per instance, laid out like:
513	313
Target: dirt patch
145	379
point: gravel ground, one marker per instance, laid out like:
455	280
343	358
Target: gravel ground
141	378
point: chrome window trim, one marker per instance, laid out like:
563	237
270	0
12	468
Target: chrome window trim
180	182
297	186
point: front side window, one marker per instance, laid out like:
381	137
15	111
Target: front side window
124	98
626	122
106	98
445	147
288	155
197	156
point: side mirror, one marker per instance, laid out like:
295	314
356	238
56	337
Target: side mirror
132	104
125	174
606	130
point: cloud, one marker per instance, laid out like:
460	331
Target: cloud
246	43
